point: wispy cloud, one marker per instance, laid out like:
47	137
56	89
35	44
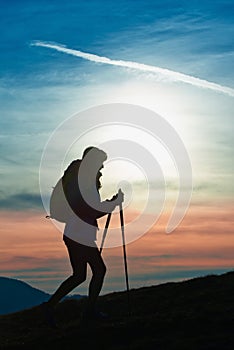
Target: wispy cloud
158	71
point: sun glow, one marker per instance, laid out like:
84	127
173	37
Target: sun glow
170	101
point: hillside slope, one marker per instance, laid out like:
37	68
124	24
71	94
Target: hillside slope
195	314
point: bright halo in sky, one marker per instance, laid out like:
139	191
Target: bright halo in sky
170	101
107	133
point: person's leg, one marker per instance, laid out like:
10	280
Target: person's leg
65	288
79	266
98	270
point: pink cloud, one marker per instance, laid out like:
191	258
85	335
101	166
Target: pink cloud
32	247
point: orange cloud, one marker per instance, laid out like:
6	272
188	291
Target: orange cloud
203	242
32	248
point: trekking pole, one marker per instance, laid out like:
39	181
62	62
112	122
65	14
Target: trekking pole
125	256
105	231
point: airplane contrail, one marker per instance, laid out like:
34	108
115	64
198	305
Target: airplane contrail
172	75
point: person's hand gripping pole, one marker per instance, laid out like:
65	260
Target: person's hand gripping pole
118	198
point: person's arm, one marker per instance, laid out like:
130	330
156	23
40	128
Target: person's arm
107	206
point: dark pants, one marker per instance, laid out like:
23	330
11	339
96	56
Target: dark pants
81	255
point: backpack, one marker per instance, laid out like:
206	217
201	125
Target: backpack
64	200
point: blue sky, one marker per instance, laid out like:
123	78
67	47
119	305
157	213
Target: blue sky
40	87
172	32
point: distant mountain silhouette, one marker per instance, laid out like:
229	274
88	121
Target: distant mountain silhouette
16	295
197	314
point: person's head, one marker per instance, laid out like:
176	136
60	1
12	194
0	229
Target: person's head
94	156
91	164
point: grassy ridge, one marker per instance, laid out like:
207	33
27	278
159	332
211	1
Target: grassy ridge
194	314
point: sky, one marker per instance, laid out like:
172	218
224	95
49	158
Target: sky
174	58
